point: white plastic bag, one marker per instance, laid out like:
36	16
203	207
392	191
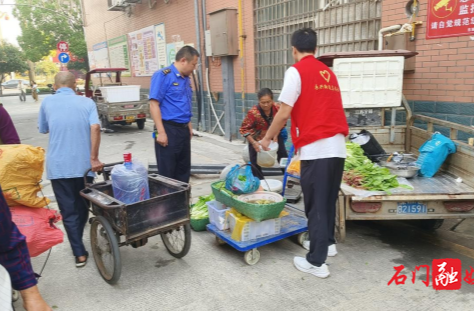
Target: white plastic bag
267	158
246	154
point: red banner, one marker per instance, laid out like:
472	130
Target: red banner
450	18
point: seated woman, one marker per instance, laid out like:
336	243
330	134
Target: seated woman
255	126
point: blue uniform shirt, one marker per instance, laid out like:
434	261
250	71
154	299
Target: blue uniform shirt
174	94
67	118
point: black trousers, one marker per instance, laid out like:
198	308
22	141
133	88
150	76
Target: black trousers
74	210
256	169
174	160
320	182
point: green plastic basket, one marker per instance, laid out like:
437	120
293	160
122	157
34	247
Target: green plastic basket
199	225
253	211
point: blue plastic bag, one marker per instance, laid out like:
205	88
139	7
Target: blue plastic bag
433	153
240	180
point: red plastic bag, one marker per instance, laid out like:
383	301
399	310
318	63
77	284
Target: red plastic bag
37	224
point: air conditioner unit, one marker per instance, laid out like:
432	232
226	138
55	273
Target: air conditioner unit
117	5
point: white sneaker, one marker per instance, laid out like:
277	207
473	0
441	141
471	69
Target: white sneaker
304	266
331	250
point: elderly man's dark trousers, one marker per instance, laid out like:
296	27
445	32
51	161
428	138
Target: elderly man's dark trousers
174	160
320	181
74	210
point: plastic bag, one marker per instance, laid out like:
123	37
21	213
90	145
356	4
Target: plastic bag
295	166
21	170
38	227
433	153
267	158
130	185
240	180
246	154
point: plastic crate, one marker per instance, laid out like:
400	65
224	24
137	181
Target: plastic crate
217	214
119	94
253	229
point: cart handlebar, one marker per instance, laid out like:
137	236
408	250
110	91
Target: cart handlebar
100	172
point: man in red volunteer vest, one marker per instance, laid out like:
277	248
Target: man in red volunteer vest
311	96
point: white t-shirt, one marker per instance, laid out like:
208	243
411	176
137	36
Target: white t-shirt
333	147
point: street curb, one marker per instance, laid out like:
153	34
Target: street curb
440	242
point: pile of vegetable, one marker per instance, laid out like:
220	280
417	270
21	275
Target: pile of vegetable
261	202
199	210
221	186
361	172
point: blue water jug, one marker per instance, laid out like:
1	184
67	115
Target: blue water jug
130	185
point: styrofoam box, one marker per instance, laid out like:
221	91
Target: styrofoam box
370	82
253	230
217	214
116	94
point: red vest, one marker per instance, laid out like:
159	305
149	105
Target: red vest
318	112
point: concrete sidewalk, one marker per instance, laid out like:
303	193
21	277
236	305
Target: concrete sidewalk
214	277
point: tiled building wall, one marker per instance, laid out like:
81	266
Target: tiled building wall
442	85
179	19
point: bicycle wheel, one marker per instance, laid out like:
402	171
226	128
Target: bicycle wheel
178	241
105	249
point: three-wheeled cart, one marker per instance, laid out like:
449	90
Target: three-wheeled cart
116	224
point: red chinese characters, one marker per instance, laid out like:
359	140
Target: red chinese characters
398	279
469	278
447	274
450	18
427	267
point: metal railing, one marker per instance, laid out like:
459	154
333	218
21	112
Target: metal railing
350	26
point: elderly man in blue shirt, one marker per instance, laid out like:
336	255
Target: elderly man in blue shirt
171	110
74	138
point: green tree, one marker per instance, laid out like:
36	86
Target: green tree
12	59
47	68
45	23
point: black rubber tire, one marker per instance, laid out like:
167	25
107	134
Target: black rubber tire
141	124
187	242
431	224
110	236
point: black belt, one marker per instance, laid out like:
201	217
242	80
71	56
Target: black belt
177	124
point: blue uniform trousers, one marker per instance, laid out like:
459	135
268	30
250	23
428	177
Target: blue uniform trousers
174	160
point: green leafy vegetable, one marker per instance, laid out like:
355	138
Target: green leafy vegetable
221	186
242	178
363	173
200	210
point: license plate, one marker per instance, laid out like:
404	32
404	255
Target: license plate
411	208
130	118
129	106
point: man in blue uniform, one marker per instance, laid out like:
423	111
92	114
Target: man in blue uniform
171	110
